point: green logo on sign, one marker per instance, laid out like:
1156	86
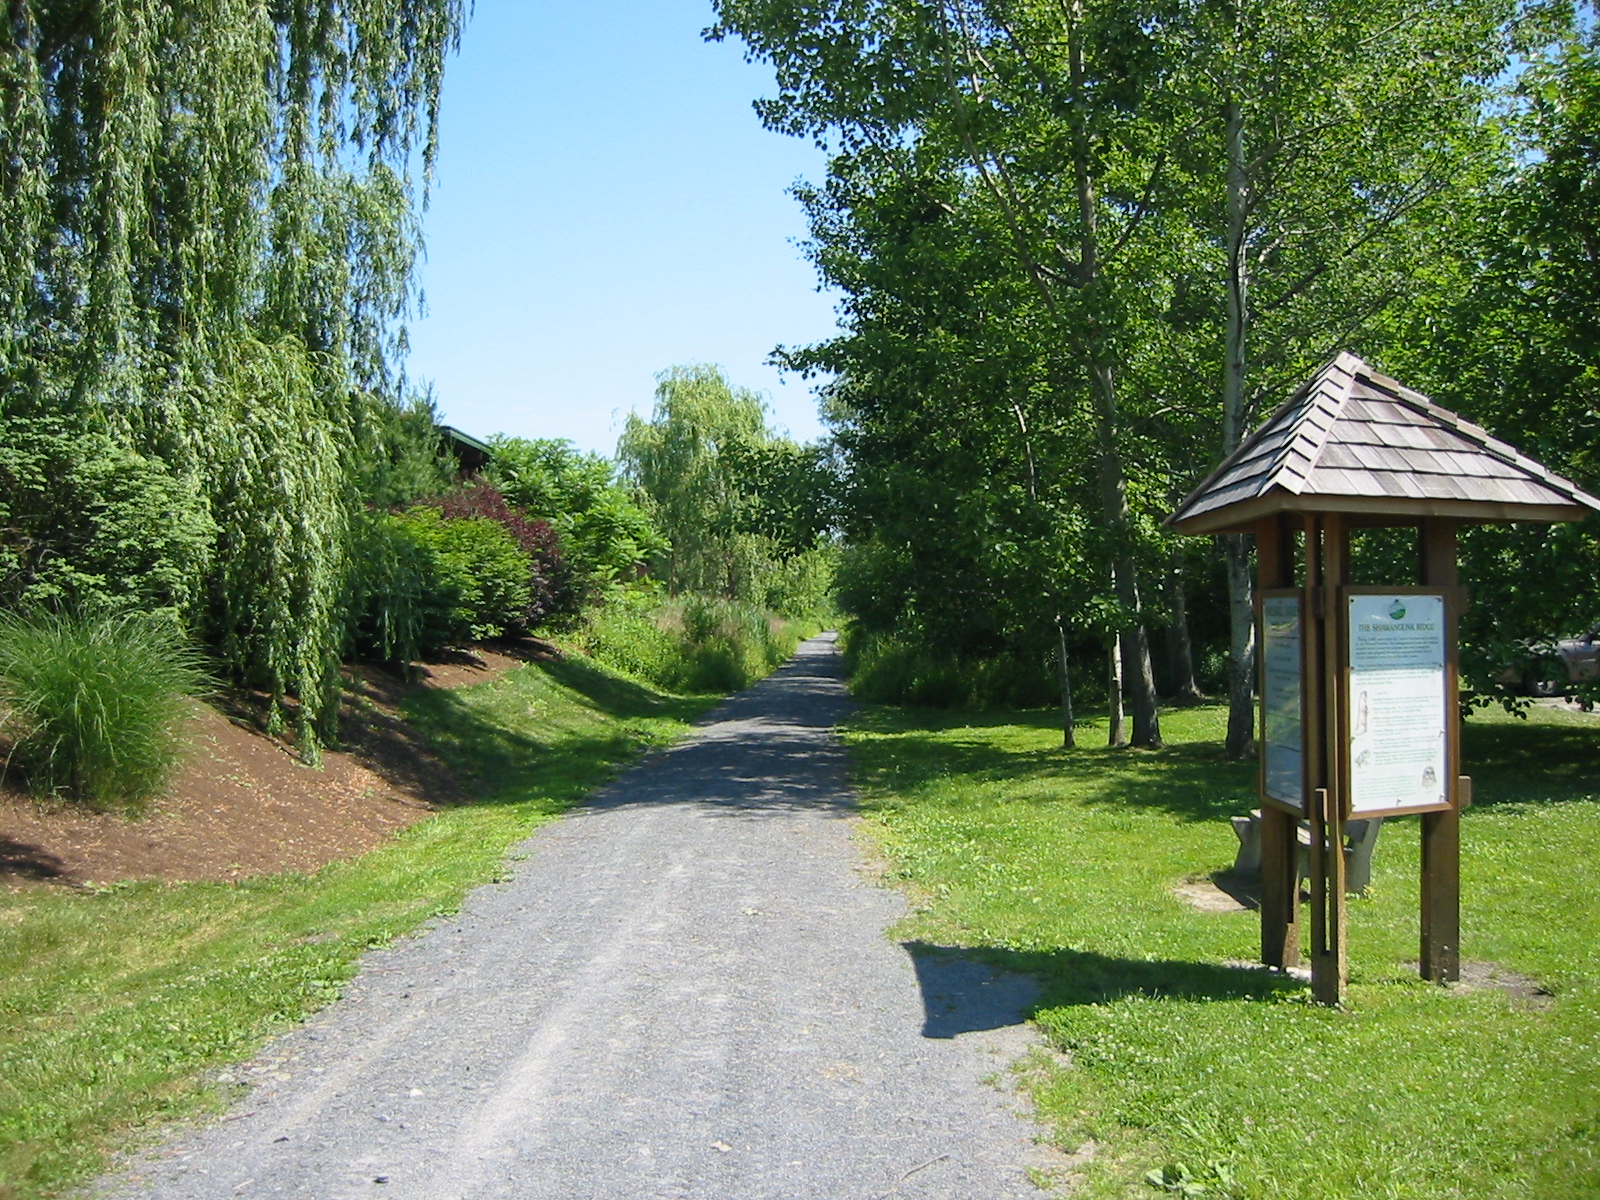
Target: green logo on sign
1397	610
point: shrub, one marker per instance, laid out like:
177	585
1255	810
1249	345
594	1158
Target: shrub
401	603
889	669
84	520
800	588
96	701
606	534
398	457
551	591
448	580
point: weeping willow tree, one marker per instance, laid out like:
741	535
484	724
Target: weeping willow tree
207	235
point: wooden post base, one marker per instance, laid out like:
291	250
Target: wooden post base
1329	967
1280	890
1440	956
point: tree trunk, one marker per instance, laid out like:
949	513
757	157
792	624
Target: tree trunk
1180	650
1135	643
1069	737
1138	674
1241	600
1114	735
1242	647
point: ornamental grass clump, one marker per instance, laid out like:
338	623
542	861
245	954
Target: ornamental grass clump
94	702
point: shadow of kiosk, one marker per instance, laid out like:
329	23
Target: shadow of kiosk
1359	713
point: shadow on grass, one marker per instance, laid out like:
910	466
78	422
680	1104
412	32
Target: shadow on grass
473	734
1530	763
965	990
501	765
1192	780
617	696
555	730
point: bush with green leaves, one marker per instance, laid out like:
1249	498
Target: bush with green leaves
397	457
552	595
606	533
801	586
893	668
94	701
423	580
84	520
400	604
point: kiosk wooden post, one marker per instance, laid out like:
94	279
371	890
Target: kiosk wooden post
1361	718
1440	956
1328	790
1280	883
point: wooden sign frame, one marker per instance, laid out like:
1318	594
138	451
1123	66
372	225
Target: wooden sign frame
1450	699
1298	596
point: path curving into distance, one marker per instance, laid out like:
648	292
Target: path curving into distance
685	991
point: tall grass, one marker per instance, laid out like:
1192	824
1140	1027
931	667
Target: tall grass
94	701
690	644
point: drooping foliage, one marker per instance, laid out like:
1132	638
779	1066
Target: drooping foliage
207	232
710	468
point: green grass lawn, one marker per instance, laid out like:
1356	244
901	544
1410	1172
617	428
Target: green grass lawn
1228	1082
113	1005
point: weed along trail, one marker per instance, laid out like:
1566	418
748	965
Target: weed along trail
684	990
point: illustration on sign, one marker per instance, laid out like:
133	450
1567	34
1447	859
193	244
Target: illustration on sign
1280	699
1397	702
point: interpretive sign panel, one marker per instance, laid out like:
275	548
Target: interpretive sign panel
1283	766
1397	717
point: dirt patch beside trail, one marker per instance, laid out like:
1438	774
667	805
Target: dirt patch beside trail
244	805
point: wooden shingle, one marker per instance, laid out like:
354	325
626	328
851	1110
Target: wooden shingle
1355	441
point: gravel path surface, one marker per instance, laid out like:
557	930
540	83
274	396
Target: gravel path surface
685	991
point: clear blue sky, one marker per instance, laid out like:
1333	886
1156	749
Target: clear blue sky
607	205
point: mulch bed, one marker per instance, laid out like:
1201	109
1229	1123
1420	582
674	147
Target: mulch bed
243	804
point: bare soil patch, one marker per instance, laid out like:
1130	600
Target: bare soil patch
1220	893
244	804
1477	976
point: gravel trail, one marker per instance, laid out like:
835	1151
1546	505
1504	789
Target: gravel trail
684	991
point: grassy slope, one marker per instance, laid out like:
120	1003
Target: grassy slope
112	1005
1227	1081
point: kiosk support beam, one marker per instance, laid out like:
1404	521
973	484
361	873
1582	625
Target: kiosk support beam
1280	884
1327	571
1440	956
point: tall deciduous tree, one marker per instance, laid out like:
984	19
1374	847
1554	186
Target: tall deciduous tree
690	459
1510	337
1054	112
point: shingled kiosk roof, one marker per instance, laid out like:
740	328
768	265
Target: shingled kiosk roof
1354	441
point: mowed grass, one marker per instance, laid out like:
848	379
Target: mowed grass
114	1005
1194	1076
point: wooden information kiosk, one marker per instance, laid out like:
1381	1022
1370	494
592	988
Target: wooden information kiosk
1360	712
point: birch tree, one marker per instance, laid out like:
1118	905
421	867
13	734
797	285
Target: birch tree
1337	134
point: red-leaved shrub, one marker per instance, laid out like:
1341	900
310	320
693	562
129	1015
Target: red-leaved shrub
550	583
